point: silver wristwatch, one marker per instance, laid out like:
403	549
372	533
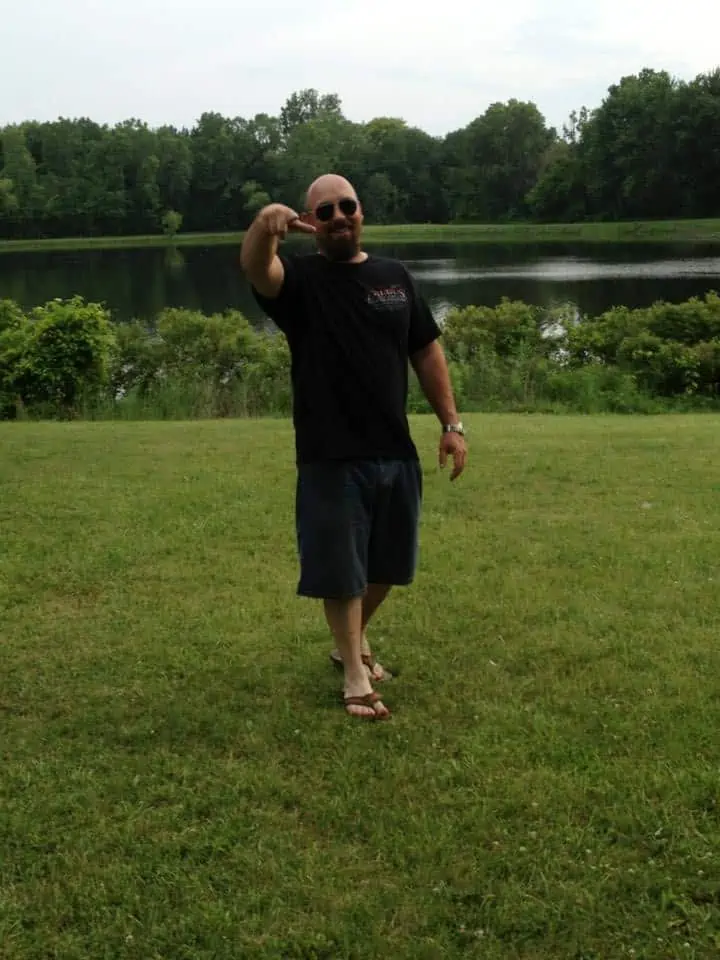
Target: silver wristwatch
454	428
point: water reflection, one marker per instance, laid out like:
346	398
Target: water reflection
563	270
593	277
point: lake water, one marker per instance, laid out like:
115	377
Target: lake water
139	283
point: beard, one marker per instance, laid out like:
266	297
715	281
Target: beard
339	247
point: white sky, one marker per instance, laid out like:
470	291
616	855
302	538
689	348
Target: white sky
168	61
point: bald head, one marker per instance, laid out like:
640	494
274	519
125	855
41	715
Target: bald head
333	209
330	187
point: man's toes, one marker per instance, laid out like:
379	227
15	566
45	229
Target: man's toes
355	710
369	706
381	711
378	672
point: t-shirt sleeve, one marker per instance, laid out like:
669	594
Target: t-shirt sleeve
284	308
423	326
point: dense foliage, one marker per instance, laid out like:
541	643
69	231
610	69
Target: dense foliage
650	150
69	359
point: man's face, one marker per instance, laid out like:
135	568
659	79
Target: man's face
337	218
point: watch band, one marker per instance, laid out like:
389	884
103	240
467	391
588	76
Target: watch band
454	428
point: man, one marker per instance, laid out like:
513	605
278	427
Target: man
352	322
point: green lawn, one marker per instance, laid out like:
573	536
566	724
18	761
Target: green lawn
179	781
686	231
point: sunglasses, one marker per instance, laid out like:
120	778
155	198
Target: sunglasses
325	211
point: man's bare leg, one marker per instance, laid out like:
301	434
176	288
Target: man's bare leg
374	596
345	619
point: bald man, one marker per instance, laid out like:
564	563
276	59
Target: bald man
352	321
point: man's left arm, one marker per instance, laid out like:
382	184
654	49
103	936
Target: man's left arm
432	372
428	361
431	367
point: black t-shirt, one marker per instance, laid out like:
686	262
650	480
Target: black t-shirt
351	328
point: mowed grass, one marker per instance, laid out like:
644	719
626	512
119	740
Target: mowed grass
179	779
645	231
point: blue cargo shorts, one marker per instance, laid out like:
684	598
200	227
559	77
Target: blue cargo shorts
357	523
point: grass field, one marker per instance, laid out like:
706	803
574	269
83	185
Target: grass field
180	781
686	231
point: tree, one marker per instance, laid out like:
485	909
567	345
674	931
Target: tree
315	147
494	163
175	168
306	105
412	162
559	192
8	198
171	223
254	196
628	149
381	199
650	149
18	178
216	173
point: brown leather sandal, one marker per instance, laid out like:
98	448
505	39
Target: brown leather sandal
369	700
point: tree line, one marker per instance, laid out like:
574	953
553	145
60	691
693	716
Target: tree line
651	150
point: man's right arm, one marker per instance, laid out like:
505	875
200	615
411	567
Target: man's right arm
258	255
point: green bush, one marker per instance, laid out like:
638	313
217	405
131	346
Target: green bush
67	358
596	389
13	337
219	364
598	339
662	367
670	348
10	315
505	330
57	355
707	359
691	322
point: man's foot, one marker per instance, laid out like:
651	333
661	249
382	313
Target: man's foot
375	671
368	706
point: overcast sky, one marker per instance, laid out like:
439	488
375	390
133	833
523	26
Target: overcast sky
168	61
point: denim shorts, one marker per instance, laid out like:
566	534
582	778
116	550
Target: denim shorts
357	523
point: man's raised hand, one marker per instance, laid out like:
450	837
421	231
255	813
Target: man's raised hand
278	219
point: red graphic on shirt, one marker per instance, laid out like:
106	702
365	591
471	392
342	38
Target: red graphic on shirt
387	298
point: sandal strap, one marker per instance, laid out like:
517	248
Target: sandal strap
368	700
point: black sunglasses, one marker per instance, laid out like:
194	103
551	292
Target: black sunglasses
325	211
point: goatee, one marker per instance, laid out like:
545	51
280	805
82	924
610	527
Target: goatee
340	249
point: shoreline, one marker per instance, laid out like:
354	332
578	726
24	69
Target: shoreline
670	231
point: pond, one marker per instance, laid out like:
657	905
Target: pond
593	277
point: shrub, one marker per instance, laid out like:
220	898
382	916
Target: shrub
67	358
691	322
220	363
13	339
10	315
57	355
663	367
504	329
